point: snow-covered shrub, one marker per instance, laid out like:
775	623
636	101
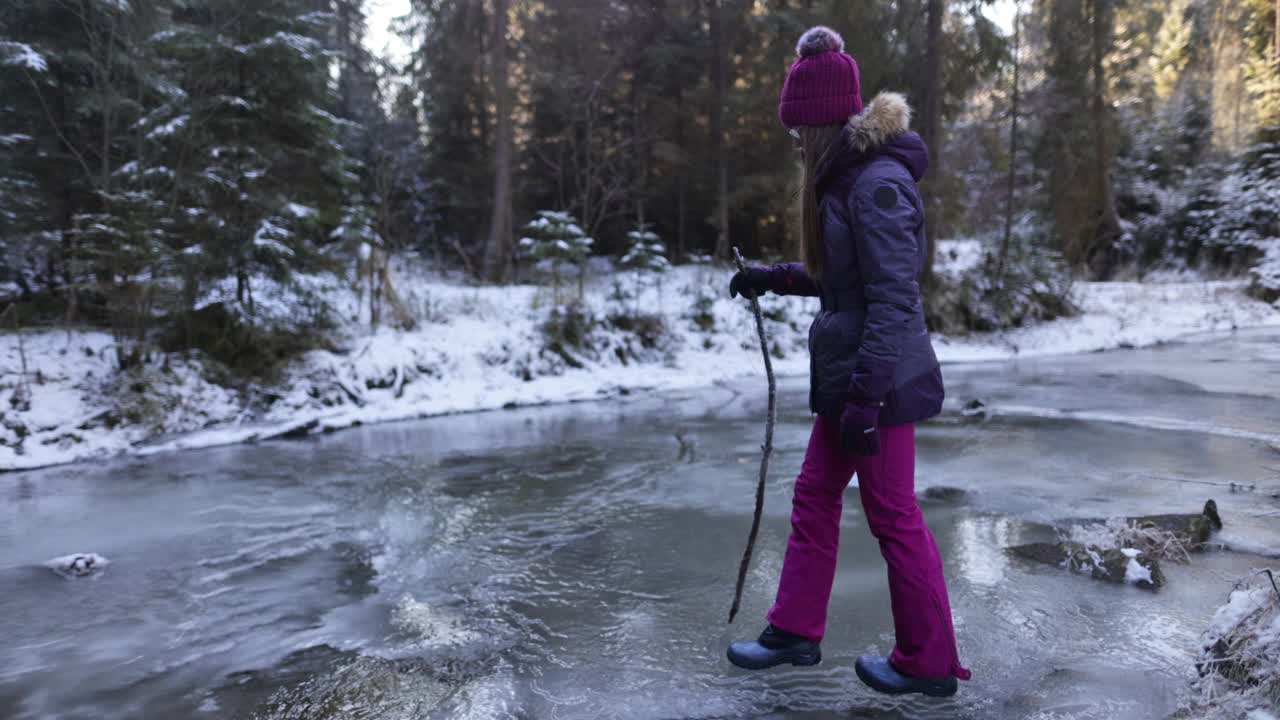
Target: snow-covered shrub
1032	285
1146	209
1231	220
702	310
1239	659
557	238
568	330
292	320
649	329
1263	163
618	294
1155	157
576	336
775	313
427	308
178	395
1266	275
1226	219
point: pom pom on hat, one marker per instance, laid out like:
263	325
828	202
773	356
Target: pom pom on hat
817	40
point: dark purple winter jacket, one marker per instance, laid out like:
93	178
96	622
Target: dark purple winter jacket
869	342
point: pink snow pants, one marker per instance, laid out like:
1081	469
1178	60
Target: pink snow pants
926	640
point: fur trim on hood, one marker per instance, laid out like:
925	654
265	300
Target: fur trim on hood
884	118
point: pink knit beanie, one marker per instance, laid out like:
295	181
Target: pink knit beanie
822	87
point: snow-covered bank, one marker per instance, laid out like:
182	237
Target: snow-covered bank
1122	314
485	348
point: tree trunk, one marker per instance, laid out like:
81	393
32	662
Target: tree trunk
1013	144
641	152
497	254
345	57
682	175
1107	228
933	124
717	131
107	93
681	190
587	184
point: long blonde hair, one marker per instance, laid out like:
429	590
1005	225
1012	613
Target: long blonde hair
819	145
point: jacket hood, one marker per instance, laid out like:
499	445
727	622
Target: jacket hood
883	128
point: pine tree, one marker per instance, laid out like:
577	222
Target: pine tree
25	214
1077	145
405	192
719	73
76	78
255	170
932	114
497	251
1011	188
448	73
1263	72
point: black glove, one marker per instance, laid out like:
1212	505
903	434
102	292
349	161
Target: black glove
752	281
859	429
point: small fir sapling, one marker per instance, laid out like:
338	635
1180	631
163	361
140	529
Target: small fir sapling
557	237
646	257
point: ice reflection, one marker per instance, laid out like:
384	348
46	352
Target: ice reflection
980	543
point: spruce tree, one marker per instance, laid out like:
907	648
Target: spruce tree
74	81
251	153
449	73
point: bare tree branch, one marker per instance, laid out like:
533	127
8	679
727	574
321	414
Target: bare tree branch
766	449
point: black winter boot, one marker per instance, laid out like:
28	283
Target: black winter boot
880	675
774	647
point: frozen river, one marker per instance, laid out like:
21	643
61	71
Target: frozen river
564	562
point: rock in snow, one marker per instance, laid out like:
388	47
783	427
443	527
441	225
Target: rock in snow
1192	531
78	565
1118	565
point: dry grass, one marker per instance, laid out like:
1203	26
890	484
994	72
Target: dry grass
1156	542
1118	533
1239	662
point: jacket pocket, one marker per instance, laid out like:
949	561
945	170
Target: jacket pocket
834	339
919	398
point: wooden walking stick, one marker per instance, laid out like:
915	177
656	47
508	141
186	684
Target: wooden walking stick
767	448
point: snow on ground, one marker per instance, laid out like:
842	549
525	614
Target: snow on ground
1266	274
479	348
958	256
1122	314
